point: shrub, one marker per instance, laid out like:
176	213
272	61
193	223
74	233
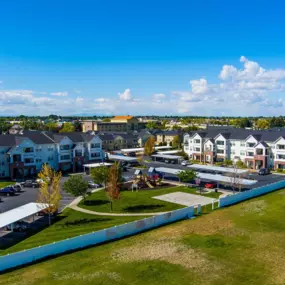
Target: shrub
279	170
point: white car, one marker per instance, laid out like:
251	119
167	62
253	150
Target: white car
185	162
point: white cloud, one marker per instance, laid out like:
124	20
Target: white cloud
77	91
199	86
126	95
101	100
158	98
59	94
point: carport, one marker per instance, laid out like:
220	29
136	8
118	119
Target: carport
94	165
210	177
20	213
122	158
218	169
163	157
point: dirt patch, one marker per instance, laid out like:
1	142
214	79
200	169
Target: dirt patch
171	252
258	207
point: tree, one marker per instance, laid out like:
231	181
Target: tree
242	123
176	143
76	186
114	184
228	162
106	120
67	128
262	124
49	193
240	164
51	126
100	175
187	175
149	146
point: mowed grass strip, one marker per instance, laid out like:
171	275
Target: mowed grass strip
69	224
140	201
6	183
239	245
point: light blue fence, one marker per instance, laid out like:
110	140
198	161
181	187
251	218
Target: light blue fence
34	254
233	199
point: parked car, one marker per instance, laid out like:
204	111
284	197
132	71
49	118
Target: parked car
166	161
91	184
19	226
186	162
263	171
210	185
7	191
17	187
30	183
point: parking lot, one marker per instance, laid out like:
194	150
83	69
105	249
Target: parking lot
262	180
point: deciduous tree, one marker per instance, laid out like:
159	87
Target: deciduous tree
100	175
149	146
49	193
187	175
76	186
114	183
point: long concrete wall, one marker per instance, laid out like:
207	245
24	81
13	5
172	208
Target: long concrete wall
28	256
236	198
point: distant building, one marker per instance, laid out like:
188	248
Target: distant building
116	124
22	155
256	148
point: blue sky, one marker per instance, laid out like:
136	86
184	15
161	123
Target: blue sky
140	57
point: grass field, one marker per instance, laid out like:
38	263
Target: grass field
6	183
240	245
137	202
70	224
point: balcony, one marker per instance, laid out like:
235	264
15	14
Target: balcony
280	157
259	151
250	145
28	150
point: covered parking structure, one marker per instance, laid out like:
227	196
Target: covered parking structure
218	169
176	159
20	213
95	165
140	150
206	177
123	159
169	151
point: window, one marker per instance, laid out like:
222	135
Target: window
95	145
28	160
259	151
38	160
220	151
78	153
64	147
95	154
233	152
280	156
197	141
250	154
50	158
280	146
242	144
250	144
50	148
197	149
64	157
220	143
28	149
242	152
233	143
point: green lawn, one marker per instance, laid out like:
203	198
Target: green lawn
240	245
137	202
70	224
6	183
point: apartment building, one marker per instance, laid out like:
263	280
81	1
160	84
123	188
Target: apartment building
22	155
116	124
167	137
256	148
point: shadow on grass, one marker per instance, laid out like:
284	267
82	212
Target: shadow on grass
85	221
12	238
139	208
95	202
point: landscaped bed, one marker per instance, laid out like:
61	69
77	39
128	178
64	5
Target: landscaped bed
6	183
140	201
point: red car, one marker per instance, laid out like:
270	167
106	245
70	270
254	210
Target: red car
210	185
